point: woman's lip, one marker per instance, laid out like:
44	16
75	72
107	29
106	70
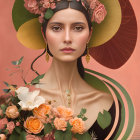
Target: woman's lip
67	50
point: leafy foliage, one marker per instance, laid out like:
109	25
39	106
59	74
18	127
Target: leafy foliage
104	119
49	13
48	128
18	62
82	114
85	136
36	80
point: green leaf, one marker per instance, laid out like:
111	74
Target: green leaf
48	128
104	119
84	119
6	131
6	90
20	60
6	84
14	136
22	135
19	11
83	111
3	107
85	136
14	86
69	126
18	129
79	116
15	62
49	13
59	135
68	135
36	80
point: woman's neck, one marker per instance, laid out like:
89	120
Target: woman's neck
62	75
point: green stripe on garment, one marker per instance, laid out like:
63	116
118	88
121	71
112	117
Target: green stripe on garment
129	102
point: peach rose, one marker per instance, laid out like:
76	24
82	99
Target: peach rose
12	112
78	125
32	137
64	112
10	127
60	124
42	111
2	137
99	13
3	122
33	125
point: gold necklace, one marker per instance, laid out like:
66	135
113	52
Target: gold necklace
68	96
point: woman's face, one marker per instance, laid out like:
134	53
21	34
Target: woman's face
67	33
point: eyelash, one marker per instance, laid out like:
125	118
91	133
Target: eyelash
58	28
80	27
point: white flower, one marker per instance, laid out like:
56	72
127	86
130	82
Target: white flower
29	100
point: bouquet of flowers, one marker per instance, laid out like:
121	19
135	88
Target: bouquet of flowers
25	115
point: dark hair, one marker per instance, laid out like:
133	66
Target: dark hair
73	4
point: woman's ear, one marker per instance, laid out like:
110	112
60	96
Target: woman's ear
43	35
90	34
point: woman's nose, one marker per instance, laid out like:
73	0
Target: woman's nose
67	37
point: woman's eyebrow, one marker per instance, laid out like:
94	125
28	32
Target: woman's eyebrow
75	23
56	23
79	23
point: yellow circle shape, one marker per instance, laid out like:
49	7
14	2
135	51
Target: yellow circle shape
29	34
104	31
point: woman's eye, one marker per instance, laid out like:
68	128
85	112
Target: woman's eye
56	28
78	28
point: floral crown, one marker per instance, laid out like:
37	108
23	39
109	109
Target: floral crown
44	8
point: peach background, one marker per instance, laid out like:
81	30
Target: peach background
10	49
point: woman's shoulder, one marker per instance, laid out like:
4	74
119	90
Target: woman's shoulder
103	99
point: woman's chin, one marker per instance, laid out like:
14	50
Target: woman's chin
67	58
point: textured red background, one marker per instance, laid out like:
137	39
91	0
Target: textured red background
10	49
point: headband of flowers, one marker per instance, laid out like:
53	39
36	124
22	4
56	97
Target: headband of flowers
44	8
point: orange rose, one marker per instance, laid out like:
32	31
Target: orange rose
33	125
12	112
78	125
64	112
42	111
60	124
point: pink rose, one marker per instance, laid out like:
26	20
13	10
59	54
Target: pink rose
32	6
3	122
49	136
51	0
10	127
93	4
2	137
53	5
17	123
41	18
46	4
32	137
60	124
99	13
